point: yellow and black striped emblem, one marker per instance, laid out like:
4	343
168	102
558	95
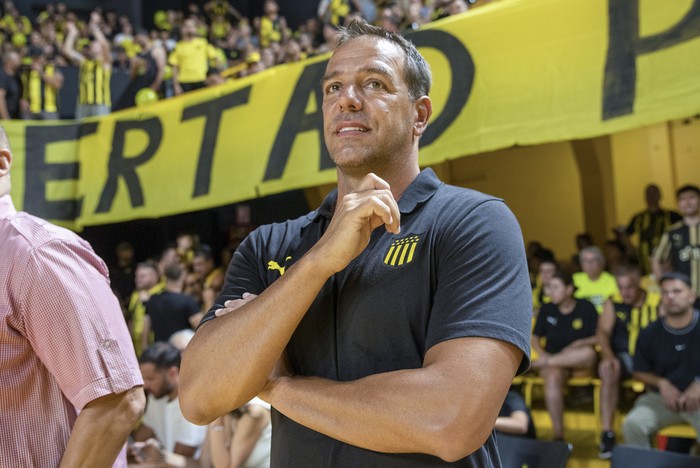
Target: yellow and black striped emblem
401	251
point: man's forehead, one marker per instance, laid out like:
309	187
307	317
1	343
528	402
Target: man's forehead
382	46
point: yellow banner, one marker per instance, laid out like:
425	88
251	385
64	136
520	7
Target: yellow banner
516	72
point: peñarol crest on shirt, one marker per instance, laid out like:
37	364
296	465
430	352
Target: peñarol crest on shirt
401	251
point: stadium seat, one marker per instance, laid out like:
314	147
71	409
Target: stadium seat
516	452
625	456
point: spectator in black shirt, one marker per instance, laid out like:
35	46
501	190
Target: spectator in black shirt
10	91
171	311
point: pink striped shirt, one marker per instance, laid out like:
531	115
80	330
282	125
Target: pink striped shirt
63	339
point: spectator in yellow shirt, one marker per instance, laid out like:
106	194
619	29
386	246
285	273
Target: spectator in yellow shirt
594	283
190	59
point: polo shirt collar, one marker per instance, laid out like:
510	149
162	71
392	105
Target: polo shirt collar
7	208
420	190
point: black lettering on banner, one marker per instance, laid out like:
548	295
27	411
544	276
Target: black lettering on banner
121	166
38	173
296	121
212	110
625	45
462	70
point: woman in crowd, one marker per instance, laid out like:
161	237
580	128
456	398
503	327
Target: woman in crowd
568	326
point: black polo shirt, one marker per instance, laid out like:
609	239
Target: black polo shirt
457	269
671	353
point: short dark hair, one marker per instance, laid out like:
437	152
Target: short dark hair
149	264
675	275
416	70
564	277
204	251
173	272
627	270
163	355
688	188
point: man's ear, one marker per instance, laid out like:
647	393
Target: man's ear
424	109
5	161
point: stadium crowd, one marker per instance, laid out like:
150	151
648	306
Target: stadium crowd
186	50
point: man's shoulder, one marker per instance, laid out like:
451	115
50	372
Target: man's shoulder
36	232
677	227
653	329
464	195
451	204
281	230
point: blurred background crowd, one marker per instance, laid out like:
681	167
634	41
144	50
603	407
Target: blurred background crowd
60	62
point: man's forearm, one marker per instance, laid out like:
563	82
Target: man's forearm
102	428
240	349
647	378
424	410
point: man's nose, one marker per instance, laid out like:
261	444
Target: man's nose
350	99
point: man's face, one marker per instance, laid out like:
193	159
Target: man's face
652	195
193	286
155	380
558	291
591	264
676	297
546	271
202	265
367	113
145	278
629	288
688	203
189	28
125	254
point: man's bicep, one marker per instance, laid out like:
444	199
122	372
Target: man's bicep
483	287
484	366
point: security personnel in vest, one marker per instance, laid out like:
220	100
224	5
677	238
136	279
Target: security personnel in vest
41	82
95	64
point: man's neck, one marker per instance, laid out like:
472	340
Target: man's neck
691	220
398	180
173	287
595	277
567	305
680	321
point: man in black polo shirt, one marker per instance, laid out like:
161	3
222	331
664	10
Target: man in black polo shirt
667	360
389	323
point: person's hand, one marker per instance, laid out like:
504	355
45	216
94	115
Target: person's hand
71	28
146	453
233	304
689	400
360	212
542	361
670	394
144	295
177	89
281	370
609	368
